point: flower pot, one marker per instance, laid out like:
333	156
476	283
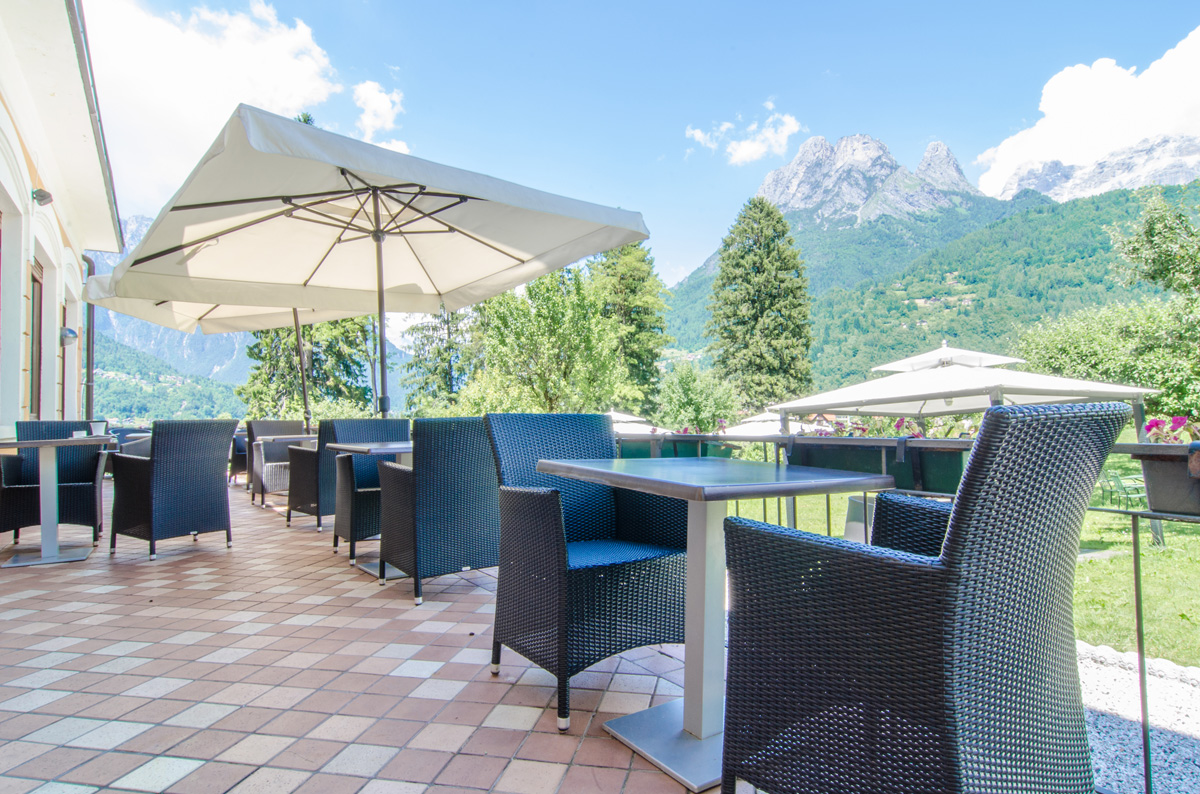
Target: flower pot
1169	489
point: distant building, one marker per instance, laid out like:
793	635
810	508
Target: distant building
56	199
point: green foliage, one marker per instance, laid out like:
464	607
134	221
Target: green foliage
760	323
342	362
633	295
441	364
833	258
697	400
549	350
134	388
1154	343
328	409
1164	249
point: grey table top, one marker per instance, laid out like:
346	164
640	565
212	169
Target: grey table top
714	479
288	438
374	447
80	441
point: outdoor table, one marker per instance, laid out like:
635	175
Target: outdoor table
401	449
684	737
50	552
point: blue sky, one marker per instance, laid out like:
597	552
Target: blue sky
594	100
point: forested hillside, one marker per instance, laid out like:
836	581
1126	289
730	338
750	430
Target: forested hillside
847	256
134	387
982	289
978	290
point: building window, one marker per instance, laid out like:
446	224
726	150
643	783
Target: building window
35	341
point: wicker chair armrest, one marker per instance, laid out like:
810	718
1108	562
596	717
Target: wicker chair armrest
911	524
10	469
132	490
101	467
398	508
531	529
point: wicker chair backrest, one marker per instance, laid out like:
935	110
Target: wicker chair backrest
190	451
519	441
75	464
362	431
257	428
1011	549
455	483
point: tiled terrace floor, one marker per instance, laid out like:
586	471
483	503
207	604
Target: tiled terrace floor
273	667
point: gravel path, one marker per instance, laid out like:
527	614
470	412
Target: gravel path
1110	693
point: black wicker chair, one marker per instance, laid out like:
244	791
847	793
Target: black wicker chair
312	477
942	659
357	511
442	515
181	489
238	457
586	571
80	481
256	428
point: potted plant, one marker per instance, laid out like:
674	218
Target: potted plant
1169	487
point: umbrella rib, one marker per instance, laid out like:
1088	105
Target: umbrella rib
404	205
339	239
332	220
287	210
328	194
451	227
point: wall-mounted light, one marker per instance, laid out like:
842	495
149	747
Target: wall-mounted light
68	336
42	196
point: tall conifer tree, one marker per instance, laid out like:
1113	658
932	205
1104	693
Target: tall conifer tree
760	323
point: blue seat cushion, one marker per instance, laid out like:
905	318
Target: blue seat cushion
599	553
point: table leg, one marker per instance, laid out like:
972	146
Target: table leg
50	551
685	737
48	494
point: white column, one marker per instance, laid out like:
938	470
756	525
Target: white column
704	673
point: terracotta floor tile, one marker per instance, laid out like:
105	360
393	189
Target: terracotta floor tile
592	780
549	747
207	744
53	763
472	771
104	769
417	766
309	754
331	784
214	777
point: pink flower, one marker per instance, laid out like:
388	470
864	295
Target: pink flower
900	423
1155	424
1177	422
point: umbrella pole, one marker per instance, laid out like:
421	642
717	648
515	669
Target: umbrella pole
303	374
378	237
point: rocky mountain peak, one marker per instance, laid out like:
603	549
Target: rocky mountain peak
1163	160
858	179
939	167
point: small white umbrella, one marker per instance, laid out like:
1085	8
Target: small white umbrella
280	213
766	424
213	319
617	416
945	356
956	389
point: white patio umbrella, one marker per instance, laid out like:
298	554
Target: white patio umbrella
767	424
280	213
956	389
945	356
213	319
617	416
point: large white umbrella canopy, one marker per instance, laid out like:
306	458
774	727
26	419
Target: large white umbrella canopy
766	424
280	213
209	318
956	389
945	356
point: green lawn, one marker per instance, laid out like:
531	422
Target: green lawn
1104	586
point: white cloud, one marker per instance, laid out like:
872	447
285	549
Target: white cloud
753	142
167	84
379	109
395	145
1089	111
771	138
